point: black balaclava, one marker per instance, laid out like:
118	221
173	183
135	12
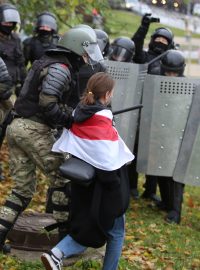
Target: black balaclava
6	30
159	47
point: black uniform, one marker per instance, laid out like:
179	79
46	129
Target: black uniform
11	53
42	40
35	47
10	45
122	49
171	192
155	48
5	103
141	57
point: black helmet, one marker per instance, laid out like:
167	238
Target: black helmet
122	49
9	13
165	33
103	41
46	19
173	61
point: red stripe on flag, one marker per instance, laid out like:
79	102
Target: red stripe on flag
97	127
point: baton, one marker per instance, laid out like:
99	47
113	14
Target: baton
157	58
128	109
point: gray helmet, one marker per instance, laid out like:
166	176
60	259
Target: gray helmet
82	26
103	41
82	40
46	19
9	13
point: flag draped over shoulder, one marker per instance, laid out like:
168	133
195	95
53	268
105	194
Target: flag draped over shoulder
95	141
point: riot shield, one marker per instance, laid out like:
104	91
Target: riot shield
166	104
129	79
187	169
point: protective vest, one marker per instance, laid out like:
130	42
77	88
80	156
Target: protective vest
37	48
11	53
27	104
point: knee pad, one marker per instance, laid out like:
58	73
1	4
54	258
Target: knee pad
12	208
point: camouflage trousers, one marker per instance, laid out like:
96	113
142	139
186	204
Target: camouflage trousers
30	146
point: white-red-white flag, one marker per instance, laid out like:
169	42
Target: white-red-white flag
95	141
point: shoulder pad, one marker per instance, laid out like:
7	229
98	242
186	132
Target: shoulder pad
4	75
57	80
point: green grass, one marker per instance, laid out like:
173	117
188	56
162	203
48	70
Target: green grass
125	23
151	244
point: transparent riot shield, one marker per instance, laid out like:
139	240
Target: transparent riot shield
166	104
187	169
129	79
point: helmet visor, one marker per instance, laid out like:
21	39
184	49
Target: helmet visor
94	52
102	44
11	15
120	54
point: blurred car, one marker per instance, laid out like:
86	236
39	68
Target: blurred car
123	4
141	9
130	4
196	9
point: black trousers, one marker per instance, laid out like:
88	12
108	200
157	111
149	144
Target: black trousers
171	193
150	185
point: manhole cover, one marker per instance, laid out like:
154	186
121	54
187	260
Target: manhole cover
29	233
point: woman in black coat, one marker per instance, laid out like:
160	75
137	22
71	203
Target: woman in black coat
97	211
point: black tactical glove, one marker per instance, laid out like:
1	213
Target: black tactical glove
147	19
69	122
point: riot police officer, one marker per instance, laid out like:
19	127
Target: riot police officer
172	64
122	49
85	71
5	102
82	76
103	41
41	107
161	40
10	45
45	37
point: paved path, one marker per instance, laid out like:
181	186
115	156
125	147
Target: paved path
94	254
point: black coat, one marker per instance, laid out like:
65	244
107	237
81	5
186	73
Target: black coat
95	208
